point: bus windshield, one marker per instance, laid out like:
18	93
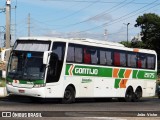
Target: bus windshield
26	65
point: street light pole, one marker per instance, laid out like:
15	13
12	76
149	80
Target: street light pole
127	31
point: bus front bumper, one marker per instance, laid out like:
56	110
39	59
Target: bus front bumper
33	92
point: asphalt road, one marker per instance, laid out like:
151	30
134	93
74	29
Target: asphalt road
86	109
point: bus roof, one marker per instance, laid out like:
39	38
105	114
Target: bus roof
87	41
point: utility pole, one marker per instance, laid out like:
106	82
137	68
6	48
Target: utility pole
29	23
8	17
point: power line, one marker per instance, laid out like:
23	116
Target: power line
114	8
104	12
121	17
119	32
64	9
67	16
87	1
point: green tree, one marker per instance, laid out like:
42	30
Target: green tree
138	44
125	43
150	30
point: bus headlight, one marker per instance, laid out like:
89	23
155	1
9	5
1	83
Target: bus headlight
38	85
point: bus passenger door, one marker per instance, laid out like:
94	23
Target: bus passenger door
54	70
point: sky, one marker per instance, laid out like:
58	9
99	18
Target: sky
96	19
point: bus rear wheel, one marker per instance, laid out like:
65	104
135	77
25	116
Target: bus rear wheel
137	95
129	95
69	95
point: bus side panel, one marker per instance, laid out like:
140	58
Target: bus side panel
104	87
54	90
149	89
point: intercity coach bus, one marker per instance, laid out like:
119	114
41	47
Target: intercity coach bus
44	67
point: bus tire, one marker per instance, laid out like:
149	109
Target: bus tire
137	95
69	95
129	94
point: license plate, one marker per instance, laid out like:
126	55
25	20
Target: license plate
21	91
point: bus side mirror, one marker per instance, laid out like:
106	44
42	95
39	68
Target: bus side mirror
45	56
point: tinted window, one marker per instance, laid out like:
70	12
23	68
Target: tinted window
132	60
151	62
78	54
70	54
122	59
116	58
87	56
141	60
111	57
105	57
94	57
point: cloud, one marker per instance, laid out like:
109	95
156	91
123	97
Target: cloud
54	34
101	18
119	35
90	35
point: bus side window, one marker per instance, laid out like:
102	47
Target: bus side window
78	54
108	57
116	59
87	56
139	63
123	60
105	57
70	54
141	60
102	57
53	65
151	62
132	60
94	56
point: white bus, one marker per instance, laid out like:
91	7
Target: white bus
43	67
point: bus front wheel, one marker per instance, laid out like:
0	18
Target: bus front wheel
69	95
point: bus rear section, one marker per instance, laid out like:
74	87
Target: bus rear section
111	71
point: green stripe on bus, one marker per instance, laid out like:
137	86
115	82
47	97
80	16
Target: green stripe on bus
79	70
134	74
116	84
146	75
121	73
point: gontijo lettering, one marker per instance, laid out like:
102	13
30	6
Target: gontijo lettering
88	71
